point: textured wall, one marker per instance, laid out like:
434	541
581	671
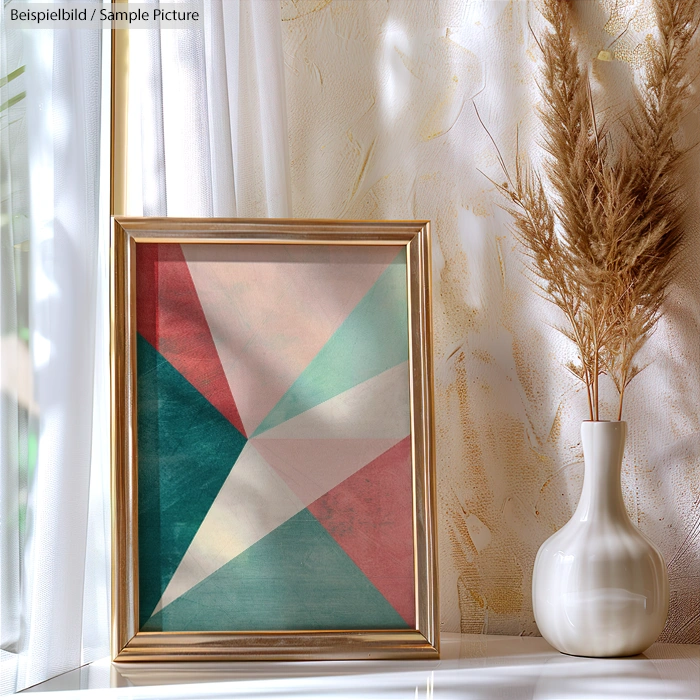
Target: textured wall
382	125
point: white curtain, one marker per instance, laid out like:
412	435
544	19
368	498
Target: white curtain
208	116
54	558
207	137
17	410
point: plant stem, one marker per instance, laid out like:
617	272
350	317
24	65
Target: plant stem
619	411
623	386
596	352
588	392
579	343
586	373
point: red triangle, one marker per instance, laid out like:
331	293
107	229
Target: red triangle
370	515
170	317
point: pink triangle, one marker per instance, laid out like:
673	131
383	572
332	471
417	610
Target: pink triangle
170	317
370	515
271	308
312	467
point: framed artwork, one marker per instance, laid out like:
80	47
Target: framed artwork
272	440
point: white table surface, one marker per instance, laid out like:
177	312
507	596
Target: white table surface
472	666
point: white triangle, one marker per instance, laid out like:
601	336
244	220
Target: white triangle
374	409
252	502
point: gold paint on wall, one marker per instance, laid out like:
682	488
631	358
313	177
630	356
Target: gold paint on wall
390	131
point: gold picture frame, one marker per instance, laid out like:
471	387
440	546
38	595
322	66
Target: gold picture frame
129	641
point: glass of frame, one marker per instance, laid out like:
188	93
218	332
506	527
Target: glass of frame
272	440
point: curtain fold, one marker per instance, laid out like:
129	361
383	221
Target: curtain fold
207	137
208	116
57	560
16	404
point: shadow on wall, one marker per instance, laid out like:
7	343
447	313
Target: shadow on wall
382	125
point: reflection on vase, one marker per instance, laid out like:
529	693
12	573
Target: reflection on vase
600	587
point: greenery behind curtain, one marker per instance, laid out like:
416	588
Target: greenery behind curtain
54	467
17	409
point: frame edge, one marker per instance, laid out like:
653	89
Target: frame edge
129	645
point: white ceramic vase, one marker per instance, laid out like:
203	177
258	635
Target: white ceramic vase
600	587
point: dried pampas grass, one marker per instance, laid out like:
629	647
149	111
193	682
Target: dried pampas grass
603	234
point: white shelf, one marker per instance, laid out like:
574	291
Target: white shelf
472	666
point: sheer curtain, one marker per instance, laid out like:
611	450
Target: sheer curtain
54	473
17	408
208	116
207	137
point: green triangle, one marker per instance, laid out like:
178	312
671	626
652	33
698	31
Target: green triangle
371	340
295	578
186	449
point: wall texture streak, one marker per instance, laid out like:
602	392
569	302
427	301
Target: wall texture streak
381	100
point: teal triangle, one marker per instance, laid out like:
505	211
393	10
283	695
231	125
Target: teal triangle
295	578
371	340
186	449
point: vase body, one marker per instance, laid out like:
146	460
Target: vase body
600	587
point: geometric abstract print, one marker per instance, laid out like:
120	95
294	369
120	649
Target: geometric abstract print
274	455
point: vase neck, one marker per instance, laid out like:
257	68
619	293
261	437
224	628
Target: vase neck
603	448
